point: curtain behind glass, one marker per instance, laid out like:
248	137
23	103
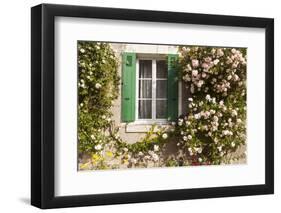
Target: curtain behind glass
145	89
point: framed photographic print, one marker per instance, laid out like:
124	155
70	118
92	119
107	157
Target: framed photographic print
139	106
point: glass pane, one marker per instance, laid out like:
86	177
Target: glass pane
161	109
161	89
145	70
145	88
161	68
145	111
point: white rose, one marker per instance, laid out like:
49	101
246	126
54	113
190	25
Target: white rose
165	136
195	63
98	147
208	97
239	120
216	61
97	85
233	51
195	72
197	116
155	157
156	148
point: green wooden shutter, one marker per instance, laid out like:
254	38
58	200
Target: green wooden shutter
128	87
172	87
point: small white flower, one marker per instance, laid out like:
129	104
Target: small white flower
208	97
190	99
239	120
200	160
212	111
229	77
97	85
156	148
216	119
82	50
103	117
216	61
98	147
234	113
125	149
195	63
233	144
185	138
200	83
190	151
220	148
93	137
155	157
197	116
165	136
189	137
194	73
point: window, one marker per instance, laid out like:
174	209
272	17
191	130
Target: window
149	88
152	89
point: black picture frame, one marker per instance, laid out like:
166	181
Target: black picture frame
43	110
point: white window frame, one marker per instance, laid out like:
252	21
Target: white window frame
153	120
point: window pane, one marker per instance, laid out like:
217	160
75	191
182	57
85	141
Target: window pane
145	109
161	109
161	69
145	88
145	70
161	89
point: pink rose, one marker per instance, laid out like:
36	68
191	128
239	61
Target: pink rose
195	63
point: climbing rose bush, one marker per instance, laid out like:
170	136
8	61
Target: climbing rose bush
97	90
215	124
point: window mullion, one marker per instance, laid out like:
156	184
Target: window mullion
153	89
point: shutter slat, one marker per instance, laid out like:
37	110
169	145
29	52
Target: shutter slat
128	87
172	87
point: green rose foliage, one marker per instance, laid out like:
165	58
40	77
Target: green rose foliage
98	87
215	125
